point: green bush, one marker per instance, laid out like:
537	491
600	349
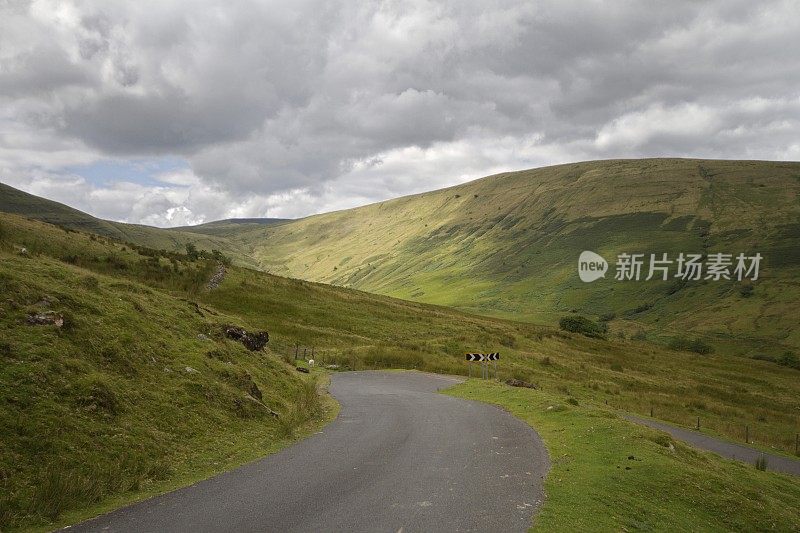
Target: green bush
789	359
639	309
608	317
584	326
509	341
690	345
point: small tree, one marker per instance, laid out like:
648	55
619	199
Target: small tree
191	251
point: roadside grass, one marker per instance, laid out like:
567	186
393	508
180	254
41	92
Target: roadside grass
611	475
136	393
234	448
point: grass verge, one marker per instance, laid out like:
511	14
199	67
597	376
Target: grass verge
212	459
611	475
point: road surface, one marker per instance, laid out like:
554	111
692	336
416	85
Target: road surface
776	463
399	458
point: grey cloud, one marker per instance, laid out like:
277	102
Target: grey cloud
273	98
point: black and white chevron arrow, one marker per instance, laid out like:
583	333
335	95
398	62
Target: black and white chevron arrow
483	356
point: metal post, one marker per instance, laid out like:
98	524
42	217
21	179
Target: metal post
797	444
651	411
469	369
495	369
296	347
698	423
747	434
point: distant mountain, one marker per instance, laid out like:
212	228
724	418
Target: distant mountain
21	203
231	226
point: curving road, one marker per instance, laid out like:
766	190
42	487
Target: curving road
731	450
399	458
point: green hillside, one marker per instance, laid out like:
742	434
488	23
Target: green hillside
139	391
230	226
21	203
507	245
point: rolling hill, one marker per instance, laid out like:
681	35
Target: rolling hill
21	203
230	226
507	245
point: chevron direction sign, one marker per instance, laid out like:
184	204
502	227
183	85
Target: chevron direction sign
483	356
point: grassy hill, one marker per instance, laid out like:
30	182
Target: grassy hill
507	245
21	203
139	391
231	226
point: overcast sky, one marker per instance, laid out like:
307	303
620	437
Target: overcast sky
169	113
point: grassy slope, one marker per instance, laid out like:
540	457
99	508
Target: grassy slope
231	226
18	202
105	406
507	245
610	475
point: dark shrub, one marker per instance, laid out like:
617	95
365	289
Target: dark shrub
508	341
690	345
608	317
584	326
789	359
640	309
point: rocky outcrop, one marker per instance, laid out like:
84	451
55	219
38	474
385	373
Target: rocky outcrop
48	318
252	341
217	278
519	383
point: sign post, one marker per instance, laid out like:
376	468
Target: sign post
483	359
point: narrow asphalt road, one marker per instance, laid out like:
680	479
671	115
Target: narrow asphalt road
399	458
776	463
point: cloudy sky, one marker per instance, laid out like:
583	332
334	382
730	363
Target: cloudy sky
170	113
